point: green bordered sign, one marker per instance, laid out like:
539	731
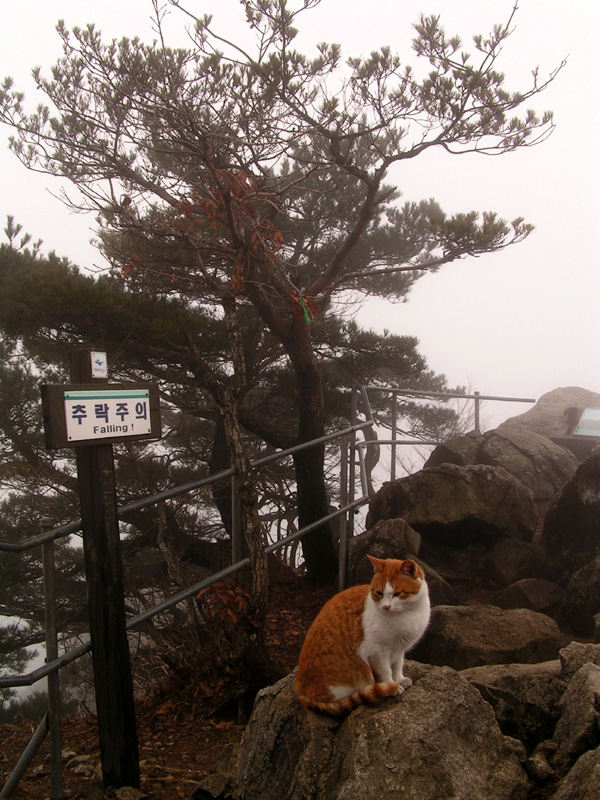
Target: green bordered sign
87	414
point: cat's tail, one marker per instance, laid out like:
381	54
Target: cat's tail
339	708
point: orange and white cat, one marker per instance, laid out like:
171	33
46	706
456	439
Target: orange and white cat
354	650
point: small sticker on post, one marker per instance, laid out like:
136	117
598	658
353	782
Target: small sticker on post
99	364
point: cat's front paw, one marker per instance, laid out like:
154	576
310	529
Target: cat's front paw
403	683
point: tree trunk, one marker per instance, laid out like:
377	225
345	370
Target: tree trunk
318	546
220	461
257	668
313	503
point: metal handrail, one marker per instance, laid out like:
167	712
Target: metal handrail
477	397
176	491
32	677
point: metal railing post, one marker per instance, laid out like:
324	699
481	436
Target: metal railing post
343	548
352	460
477	409
53	679
394	435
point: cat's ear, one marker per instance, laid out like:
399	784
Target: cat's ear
410	568
377	563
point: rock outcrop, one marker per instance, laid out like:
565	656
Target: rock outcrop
506	731
571	532
508	517
389	538
583	780
476	525
457	505
525	697
471	636
581	600
532	459
547	417
534	593
439	739
577	729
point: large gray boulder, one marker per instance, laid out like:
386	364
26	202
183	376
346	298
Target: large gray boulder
389	538
582	781
547	417
462	449
581	600
439	740
511	560
577	729
471	636
524	697
534	460
571	532
575	655
534	593
457	506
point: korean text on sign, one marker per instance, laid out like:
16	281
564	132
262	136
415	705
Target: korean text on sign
102	414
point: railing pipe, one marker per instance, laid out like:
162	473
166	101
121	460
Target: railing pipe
54	709
449	395
360	452
394	436
317	524
46	669
27	757
47	537
343	536
477	405
184	594
352	474
399	442
167	494
39	538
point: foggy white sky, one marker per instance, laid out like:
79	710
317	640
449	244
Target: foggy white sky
518	323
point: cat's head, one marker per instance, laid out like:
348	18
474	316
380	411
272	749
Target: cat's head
395	583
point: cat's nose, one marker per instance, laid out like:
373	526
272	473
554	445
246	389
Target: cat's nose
386	606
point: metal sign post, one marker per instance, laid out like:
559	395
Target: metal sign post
90	415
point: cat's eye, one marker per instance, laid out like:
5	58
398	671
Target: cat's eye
396	594
378	594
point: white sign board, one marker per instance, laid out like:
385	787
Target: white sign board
105	413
